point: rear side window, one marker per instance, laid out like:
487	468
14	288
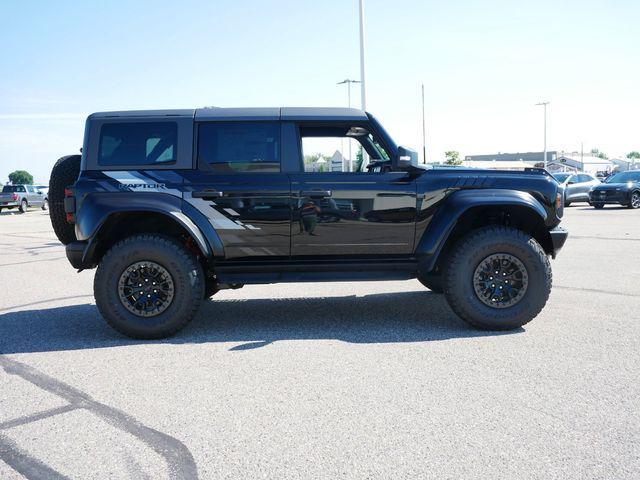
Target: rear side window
240	147
138	143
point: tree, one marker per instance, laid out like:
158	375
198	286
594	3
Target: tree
633	155
597	153
21	177
452	158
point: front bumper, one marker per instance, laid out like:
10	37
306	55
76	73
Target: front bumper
558	237
602	197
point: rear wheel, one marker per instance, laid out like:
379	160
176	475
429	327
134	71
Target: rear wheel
634	202
64	173
24	206
498	278
148	286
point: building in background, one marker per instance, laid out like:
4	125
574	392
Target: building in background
497	159
576	162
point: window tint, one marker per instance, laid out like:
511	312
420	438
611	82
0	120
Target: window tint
240	147
138	143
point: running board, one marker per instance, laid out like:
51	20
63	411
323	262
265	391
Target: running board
256	273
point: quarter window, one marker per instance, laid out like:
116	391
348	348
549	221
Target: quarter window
240	147
138	143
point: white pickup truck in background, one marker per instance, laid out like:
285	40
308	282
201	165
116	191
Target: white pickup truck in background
23	197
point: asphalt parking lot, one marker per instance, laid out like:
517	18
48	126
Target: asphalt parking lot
349	380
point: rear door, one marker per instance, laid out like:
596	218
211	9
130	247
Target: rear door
340	208
240	187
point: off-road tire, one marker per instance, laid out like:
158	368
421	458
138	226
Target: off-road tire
598	205
64	173
24	206
186	273
470	251
432	282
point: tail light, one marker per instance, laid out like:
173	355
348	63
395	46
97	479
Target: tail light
70	205
15	197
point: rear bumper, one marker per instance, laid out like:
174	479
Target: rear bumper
75	254
9	204
558	237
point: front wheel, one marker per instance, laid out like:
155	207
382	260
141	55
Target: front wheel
497	278
634	202
45	205
148	286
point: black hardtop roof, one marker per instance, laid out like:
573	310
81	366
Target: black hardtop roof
217	113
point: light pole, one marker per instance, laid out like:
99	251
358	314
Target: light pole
424	131
363	94
544	104
348	82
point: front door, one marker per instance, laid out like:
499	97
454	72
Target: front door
340	208
239	187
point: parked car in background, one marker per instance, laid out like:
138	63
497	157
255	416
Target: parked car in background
622	188
23	197
576	186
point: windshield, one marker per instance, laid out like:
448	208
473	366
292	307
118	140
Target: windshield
624	177
562	177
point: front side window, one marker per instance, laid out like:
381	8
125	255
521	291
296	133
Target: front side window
138	143
339	148
240	147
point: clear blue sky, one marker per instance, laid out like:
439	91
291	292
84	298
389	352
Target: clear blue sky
484	64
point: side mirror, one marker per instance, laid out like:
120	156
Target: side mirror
407	158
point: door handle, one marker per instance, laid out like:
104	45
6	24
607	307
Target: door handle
207	194
315	193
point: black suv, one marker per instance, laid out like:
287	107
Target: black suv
175	205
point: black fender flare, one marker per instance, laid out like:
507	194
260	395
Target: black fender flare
96	209
444	221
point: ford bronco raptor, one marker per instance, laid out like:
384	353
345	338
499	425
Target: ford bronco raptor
172	206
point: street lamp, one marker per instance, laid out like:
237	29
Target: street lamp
348	82
544	104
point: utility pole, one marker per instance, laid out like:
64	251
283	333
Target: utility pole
348	82
544	104
424	131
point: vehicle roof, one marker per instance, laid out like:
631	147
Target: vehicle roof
275	113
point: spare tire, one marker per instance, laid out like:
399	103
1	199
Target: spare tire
64	173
